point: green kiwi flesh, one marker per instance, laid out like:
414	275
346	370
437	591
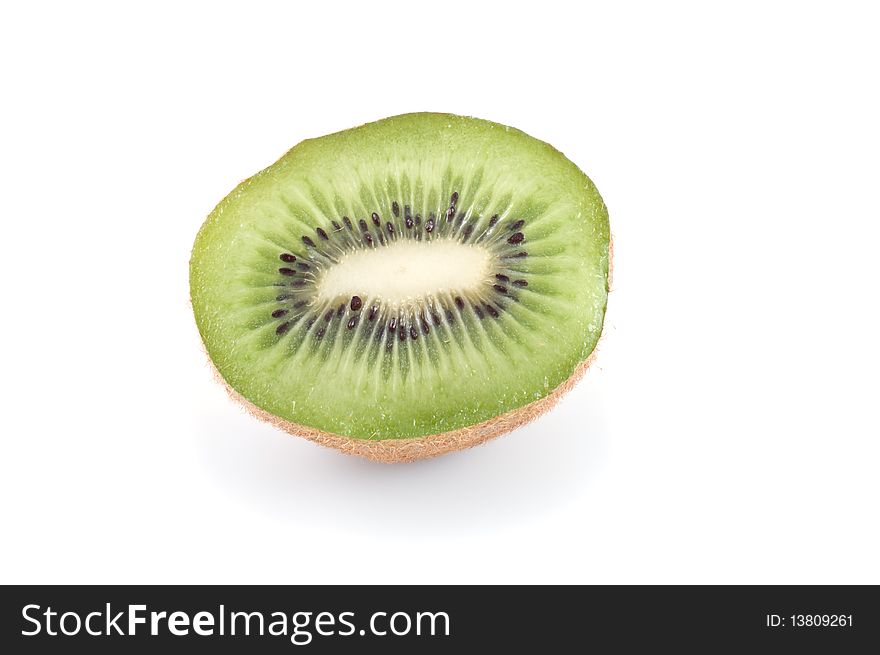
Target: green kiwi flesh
418	276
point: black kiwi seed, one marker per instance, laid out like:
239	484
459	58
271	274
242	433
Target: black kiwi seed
363	225
425	328
347	221
308	242
450	213
450	316
287	257
352	321
521	283
355	303
479	312
413	333
283	296
278	313
303	266
284	327
310	323
407	212
368	239
499	288
521	254
454	198
392	324
502	277
409	222
516	226
336	226
395	209
328	315
320	333
389	227
429	224
468	231
492	311
287	271
493	220
401	333
375	218
373	311
340	310
321	233
459	302
516	238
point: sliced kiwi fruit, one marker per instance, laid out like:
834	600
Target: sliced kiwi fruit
404	288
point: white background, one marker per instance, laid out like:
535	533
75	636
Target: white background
728	432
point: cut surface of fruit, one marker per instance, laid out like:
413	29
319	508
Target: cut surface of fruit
419	276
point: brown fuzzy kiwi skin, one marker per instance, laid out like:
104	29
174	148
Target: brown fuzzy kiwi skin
391	451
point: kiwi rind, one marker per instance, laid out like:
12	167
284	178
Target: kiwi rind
444	441
394	451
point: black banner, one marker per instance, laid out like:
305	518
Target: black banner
101	619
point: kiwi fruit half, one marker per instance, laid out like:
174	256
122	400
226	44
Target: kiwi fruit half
404	288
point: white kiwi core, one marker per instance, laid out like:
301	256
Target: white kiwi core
408	270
